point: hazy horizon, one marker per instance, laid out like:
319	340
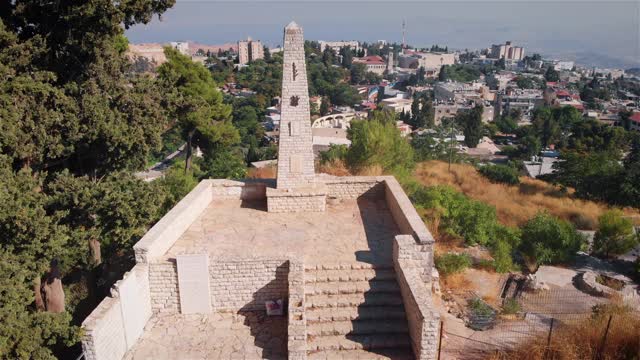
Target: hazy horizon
590	32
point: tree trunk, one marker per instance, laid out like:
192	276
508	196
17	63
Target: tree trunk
52	291
189	153
37	292
94	248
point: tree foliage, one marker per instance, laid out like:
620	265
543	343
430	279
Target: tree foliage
378	142
471	124
615	235
549	240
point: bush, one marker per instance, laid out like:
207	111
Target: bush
378	142
335	152
549	240
615	234
500	174
452	263
511	306
479	308
460	216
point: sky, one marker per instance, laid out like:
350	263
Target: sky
600	33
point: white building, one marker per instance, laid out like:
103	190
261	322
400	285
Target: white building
507	51
181	46
337	45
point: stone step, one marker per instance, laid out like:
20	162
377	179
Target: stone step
349	275
357	342
352	300
355	313
358	327
400	353
347	266
353	287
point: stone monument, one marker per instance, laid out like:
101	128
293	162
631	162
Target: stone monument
296	189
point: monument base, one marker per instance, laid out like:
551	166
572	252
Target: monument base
308	199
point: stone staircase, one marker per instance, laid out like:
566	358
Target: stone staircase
355	311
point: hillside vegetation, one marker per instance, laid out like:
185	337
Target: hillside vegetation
514	204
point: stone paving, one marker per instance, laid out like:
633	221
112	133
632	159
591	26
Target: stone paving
250	335
351	231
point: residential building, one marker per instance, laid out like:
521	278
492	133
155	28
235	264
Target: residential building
564	65
524	100
431	62
249	50
375	63
458	92
337	45
507	51
397	104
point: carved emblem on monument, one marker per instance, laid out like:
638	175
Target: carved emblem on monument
294	100
295	71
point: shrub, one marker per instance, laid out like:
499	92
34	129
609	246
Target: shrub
479	308
335	152
548	240
378	142
615	234
500	174
511	306
472	220
452	263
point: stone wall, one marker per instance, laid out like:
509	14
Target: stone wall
353	187
245	284
163	282
246	189
297	323
404	214
107	335
165	232
312	200
236	284
422	317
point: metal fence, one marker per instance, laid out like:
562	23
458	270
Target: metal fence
542	324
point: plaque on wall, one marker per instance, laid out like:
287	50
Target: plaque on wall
193	283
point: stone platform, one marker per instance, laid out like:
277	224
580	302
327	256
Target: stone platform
349	231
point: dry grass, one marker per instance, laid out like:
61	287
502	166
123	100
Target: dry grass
584	340
335	167
268	172
514	204
456	282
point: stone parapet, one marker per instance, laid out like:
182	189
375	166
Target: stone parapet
165	232
353	187
297	322
113	327
422	318
245	189
309	199
404	214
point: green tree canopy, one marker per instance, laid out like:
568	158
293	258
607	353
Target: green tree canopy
471	124
201	113
378	142
549	240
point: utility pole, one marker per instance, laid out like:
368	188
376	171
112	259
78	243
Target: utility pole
404	45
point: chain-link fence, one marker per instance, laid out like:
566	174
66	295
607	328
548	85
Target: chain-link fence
544	325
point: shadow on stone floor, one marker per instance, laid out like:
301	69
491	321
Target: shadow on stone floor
269	332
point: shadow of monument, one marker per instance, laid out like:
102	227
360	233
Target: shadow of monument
269	332
380	230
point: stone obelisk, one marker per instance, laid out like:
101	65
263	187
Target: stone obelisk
296	189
